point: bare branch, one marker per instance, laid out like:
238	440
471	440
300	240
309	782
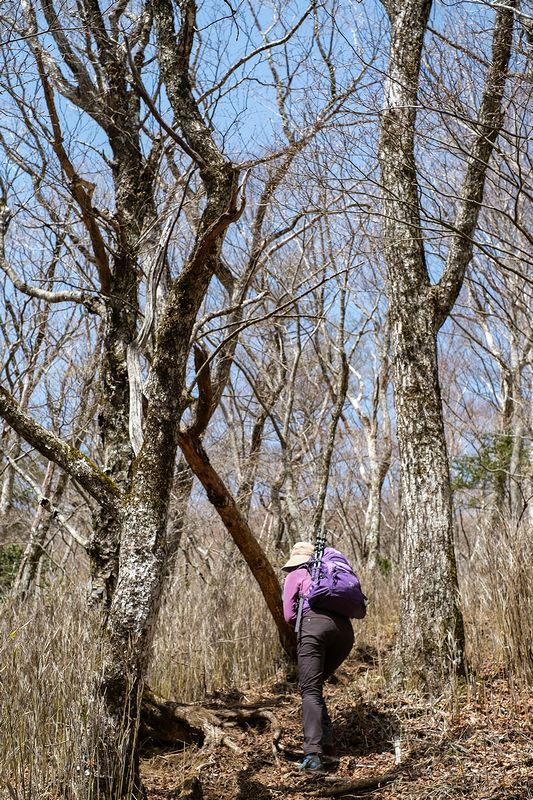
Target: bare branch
81	190
91	302
490	119
204	402
267	46
45	503
81	468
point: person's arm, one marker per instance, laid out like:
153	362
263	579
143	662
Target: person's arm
291	593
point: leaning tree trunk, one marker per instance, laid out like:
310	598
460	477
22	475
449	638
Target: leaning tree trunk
431	639
239	529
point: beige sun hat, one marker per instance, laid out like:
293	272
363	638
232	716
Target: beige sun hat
300	554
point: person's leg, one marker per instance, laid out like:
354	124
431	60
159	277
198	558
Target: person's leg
339	642
327	730
311	658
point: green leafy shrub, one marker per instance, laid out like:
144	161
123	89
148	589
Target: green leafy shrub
483	467
10	557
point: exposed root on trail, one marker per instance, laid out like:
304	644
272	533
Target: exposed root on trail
170	723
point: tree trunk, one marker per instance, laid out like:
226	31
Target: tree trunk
143	519
13	443
373	518
431	640
42	523
8	482
134	199
378	442
136	599
430	644
516	496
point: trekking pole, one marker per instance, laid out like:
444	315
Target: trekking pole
299	615
320	544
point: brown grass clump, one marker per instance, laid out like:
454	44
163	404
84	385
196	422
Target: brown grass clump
214	631
497	595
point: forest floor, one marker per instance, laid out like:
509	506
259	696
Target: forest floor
389	746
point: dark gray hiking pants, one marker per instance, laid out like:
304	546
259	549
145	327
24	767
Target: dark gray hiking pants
323	643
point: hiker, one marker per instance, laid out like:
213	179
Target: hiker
323	642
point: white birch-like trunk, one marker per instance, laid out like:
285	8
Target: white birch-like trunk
13	442
430	643
431	640
373	518
33	553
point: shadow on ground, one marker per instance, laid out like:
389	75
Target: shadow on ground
362	729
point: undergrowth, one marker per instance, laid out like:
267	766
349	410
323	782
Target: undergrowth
215	635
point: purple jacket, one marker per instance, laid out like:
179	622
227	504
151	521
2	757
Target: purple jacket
297	582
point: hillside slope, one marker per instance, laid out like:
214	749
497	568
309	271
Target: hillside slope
477	745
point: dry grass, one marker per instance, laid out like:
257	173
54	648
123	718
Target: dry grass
497	593
48	655
213	636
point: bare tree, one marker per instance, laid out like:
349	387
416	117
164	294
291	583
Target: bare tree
376	425
140	262
431	642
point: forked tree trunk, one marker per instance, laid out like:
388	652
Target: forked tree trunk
142	564
431	639
143	519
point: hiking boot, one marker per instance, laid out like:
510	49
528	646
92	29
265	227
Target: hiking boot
312	763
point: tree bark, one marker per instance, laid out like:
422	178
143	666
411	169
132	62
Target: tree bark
431	639
142	559
142	563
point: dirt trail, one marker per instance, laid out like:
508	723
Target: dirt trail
481	747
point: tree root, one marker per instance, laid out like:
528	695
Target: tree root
342	787
170	723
